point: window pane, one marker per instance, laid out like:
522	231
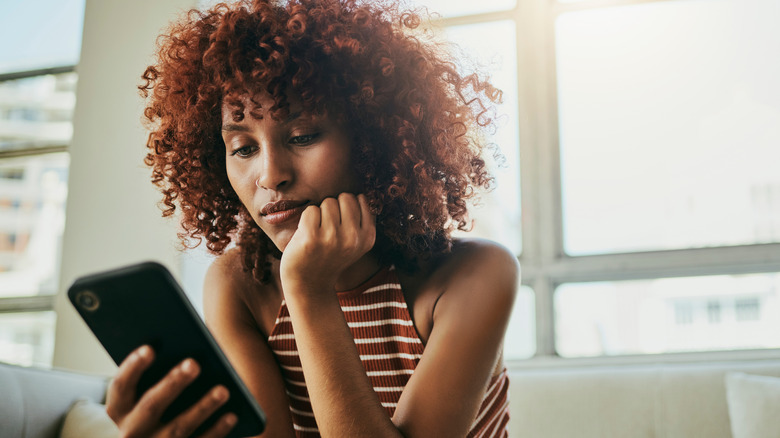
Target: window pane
493	47
670	125
27	338
37	111
721	312
32	216
449	8
520	341
40	34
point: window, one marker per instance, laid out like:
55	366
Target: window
748	309
647	138
713	312
37	98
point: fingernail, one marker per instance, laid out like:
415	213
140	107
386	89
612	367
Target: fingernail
188	366
144	352
231	419
220	393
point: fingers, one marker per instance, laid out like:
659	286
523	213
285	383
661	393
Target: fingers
349	210
120	396
189	420
367	218
139	418
153	403
331	213
310	218
368	221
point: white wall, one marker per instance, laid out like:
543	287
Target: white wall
112	215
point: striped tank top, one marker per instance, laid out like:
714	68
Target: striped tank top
389	348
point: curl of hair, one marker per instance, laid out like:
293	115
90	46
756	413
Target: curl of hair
415	121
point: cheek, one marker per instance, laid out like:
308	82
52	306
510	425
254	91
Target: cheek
336	165
238	180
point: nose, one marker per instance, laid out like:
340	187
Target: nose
275	169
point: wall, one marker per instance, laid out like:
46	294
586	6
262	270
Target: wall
112	215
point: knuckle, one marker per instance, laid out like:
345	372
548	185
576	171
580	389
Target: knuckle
150	406
124	433
117	385
308	245
354	241
113	389
176	430
206	406
112	412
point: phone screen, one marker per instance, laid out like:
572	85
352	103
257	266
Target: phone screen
143	304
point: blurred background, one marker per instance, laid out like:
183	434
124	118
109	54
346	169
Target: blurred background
639	179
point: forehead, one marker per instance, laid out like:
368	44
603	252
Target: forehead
257	106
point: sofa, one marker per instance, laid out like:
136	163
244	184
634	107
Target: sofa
626	401
33	402
672	400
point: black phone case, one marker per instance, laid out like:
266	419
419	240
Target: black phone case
143	304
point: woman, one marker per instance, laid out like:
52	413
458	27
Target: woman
325	153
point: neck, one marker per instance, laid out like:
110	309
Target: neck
358	272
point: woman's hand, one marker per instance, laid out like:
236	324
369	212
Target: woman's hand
329	239
140	417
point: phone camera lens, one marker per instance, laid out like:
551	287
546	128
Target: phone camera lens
88	300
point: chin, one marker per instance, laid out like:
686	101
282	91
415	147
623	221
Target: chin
280	242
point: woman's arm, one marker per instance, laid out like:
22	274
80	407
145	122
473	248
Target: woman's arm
238	334
479	282
446	390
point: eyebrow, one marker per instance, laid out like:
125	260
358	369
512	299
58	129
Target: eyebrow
234	127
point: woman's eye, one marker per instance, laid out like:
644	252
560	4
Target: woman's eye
243	151
300	140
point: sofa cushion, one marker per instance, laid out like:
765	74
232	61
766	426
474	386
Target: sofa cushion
614	402
34	401
671	400
87	419
754	403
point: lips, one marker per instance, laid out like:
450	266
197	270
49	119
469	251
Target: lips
285	204
281	211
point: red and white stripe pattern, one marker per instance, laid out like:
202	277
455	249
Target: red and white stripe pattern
493	416
389	348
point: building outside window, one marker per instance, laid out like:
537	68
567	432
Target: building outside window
37	99
641	140
637	180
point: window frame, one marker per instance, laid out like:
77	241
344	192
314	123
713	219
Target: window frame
43	302
545	265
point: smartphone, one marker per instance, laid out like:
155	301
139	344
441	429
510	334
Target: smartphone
142	304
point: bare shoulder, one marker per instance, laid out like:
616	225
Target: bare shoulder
478	281
231	293
224	275
226	284
478	276
486	267
483	253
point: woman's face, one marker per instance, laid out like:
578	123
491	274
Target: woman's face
277	168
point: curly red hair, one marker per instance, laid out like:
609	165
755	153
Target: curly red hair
415	121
